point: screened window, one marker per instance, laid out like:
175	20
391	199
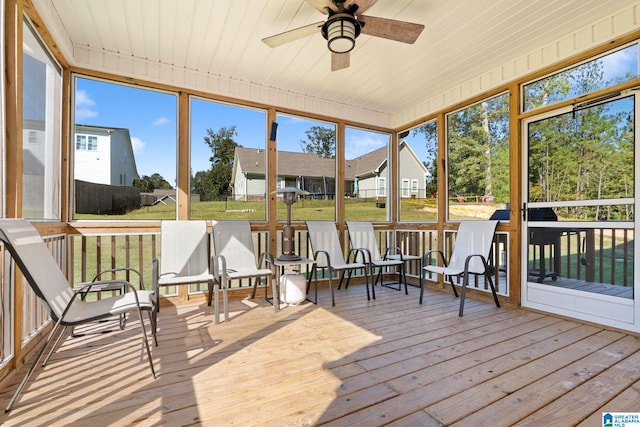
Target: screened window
606	71
307	161
127	149
478	159
366	172
417	162
42	100
228	161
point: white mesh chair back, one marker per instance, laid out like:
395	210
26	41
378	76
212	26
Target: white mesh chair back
37	264
184	249
362	236
473	238
233	240
323	236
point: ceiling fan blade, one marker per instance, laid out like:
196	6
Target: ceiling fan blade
339	61
401	31
363	5
322	5
291	35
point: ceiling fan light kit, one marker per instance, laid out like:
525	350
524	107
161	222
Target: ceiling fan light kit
343	26
341	32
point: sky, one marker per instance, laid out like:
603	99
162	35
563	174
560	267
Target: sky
151	118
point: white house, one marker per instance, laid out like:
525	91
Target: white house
104	156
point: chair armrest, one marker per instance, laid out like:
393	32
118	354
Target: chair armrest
366	255
322	252
114	270
352	255
426	257
468	260
393	250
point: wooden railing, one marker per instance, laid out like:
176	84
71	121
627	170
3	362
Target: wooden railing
94	252
600	255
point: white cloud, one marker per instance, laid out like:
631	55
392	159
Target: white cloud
615	65
84	105
358	145
137	144
291	120
161	121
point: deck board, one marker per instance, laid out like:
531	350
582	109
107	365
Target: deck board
385	362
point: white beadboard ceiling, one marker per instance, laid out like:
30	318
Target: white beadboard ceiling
215	46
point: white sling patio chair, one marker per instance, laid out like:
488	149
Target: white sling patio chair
470	254
363	237
327	252
235	257
184	260
65	305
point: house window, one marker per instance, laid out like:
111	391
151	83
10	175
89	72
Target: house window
405	188
414	186
92	143
382	186
86	143
41	117
81	142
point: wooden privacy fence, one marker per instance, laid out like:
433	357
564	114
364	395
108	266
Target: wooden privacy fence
92	198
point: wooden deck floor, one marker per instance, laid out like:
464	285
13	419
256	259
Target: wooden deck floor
388	362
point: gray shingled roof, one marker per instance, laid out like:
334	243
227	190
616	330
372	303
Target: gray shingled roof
253	161
365	164
303	164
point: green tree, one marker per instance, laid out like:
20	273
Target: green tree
202	184
320	141
478	142
216	181
147	184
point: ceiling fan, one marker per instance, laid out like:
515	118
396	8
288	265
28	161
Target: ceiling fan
344	25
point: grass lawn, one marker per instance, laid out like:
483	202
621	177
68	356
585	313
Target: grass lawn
313	210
